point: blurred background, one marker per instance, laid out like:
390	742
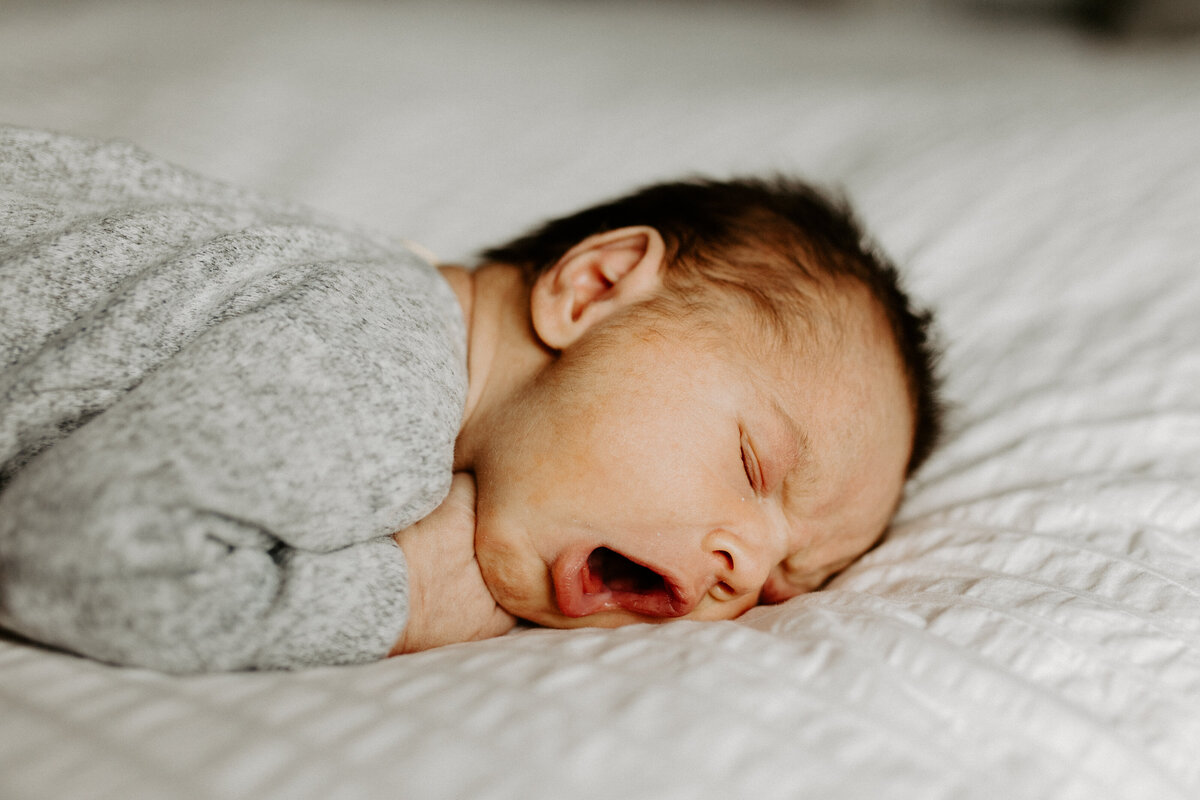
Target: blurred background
1117	18
411	117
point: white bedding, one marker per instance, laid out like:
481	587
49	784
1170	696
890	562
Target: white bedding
1032	626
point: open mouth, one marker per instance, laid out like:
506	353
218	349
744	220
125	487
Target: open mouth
603	579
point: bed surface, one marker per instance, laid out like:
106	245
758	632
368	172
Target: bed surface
1030	629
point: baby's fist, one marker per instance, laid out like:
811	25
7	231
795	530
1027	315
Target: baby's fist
448	601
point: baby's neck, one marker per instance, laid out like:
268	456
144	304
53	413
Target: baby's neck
503	351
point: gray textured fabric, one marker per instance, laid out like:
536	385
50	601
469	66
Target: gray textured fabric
214	409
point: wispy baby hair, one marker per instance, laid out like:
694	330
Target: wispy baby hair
766	241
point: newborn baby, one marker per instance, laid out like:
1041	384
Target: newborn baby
219	415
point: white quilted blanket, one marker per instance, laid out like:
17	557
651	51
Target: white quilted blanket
1031	629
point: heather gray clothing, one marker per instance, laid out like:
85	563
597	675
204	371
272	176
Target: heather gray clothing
214	409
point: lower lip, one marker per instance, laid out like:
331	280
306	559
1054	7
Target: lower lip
578	592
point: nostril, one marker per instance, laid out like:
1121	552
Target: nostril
727	557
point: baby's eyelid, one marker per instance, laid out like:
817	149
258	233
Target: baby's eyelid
750	463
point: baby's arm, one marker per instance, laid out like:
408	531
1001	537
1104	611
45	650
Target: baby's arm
234	509
448	600
215	411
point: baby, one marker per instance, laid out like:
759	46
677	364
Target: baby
219	415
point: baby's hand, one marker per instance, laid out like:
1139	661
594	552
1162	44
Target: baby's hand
448	601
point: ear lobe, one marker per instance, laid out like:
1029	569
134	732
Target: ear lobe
598	276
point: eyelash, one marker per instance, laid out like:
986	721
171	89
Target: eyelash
749	464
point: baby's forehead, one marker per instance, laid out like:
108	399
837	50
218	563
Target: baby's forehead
833	319
829	361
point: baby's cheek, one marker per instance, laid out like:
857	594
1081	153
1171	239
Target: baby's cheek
779	587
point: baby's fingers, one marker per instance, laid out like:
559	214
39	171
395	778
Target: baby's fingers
461	497
499	623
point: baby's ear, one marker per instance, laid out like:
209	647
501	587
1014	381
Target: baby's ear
601	274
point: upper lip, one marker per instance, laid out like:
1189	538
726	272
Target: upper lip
578	595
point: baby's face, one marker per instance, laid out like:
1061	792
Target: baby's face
655	474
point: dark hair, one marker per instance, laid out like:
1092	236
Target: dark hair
754	237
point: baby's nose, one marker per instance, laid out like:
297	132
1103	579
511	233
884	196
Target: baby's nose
739	567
